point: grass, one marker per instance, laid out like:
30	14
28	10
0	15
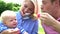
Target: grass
40	28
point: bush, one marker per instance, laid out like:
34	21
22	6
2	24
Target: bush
2	6
8	6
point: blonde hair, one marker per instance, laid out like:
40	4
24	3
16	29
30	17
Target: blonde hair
7	13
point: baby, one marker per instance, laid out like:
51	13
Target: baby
8	21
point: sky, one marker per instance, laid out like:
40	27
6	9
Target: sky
18	1
14	1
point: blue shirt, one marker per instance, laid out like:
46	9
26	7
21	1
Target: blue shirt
2	27
28	25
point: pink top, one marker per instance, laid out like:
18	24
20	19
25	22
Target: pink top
49	29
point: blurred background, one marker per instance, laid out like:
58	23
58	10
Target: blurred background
13	5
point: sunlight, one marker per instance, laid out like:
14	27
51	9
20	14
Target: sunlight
19	1
14	1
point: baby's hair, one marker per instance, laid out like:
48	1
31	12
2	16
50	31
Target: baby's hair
7	13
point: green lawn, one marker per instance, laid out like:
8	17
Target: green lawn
40	28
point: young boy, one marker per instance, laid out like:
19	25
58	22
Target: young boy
8	21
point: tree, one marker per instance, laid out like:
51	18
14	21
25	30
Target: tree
8	6
2	6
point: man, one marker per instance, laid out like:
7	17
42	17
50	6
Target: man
50	16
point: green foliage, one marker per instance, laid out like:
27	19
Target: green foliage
8	6
16	7
2	6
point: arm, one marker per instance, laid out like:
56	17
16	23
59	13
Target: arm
5	32
10	31
56	25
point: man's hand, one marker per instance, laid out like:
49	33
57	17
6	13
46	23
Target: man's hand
47	19
50	21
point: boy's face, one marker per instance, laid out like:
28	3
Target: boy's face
27	7
11	21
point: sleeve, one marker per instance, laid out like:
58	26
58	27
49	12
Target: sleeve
18	16
35	28
2	28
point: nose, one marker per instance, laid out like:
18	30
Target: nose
26	10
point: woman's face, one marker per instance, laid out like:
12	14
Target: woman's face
27	7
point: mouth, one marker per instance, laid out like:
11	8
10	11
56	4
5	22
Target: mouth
27	14
14	24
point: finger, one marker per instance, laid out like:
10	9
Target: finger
43	20
45	13
43	16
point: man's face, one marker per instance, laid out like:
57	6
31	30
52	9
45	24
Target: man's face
27	7
51	8
48	7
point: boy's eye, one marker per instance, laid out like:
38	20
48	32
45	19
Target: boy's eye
15	19
11	20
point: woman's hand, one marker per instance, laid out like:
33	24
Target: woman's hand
11	31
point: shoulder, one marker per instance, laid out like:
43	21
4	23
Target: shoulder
1	24
36	21
2	27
